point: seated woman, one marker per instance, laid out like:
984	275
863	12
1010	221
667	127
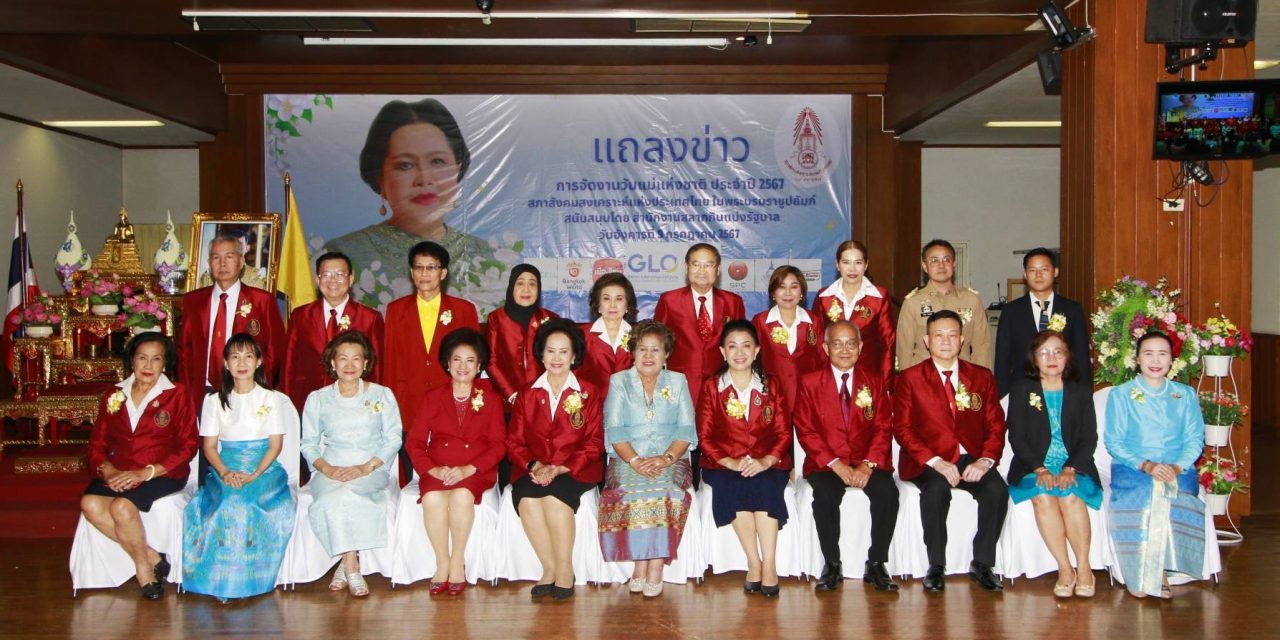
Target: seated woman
648	429
744	433
238	524
456	441
1053	432
350	430
556	450
1154	433
140	450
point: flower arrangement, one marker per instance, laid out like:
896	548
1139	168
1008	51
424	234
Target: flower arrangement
446	317
1222	408
115	401
1220	476
735	408
100	289
477	401
964	400
573	405
263	412
1057	322
141	309
835	312
1220	337
374	407
1129	310
41	312
1036	402
780	335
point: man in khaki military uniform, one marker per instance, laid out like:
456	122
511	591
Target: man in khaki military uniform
939	262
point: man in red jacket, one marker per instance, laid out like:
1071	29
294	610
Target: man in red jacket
948	421
313	325
844	423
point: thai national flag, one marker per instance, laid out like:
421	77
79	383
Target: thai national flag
17	301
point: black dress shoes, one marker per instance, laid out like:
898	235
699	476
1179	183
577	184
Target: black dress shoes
750	586
770	591
153	590
982	574
832	575
877	576
540	590
162	569
561	593
935	578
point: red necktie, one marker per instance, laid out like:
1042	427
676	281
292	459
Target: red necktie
704	319
845	397
951	392
218	342
331	327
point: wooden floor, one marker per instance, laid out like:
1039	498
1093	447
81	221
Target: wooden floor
36	602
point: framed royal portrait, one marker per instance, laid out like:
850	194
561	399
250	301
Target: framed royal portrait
260	236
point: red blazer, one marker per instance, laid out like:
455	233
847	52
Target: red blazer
874	318
408	369
766	431
302	371
263	322
696	359
166	434
512	362
788	367
533	435
922	420
820	422
436	439
600	362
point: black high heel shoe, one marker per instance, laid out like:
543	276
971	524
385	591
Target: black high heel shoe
153	590
162	569
540	590
770	591
750	586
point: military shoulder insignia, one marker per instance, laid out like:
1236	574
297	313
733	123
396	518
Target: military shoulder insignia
913	292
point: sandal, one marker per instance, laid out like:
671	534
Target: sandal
359	588
339	581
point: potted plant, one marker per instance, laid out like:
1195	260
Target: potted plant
1222	410
142	311
103	292
1220	341
1220	479
1126	312
40	317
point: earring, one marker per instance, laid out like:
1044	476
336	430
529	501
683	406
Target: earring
382	211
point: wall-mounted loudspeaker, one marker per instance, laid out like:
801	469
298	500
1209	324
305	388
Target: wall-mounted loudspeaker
1192	22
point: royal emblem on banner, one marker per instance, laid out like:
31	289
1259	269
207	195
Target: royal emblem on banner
807	164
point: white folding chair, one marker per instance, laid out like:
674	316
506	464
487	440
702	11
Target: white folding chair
411	556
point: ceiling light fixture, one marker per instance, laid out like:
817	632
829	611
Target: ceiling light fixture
96	124
518	42
625	14
1023	124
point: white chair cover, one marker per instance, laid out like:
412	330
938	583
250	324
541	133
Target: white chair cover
691	558
411	556
724	552
517	561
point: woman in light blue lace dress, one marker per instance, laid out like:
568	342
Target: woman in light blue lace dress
350	431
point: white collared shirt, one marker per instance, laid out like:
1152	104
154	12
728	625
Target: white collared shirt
836	290
775	315
233	295
1035	306
341	308
711	296
602	331
135	411
744	395
570	383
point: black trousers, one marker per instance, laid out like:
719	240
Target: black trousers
992	495
828	493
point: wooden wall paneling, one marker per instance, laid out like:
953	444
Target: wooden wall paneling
905	234
231	167
1264	365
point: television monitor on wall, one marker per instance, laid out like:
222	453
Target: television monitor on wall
1217	120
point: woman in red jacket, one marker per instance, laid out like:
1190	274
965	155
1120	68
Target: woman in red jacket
745	436
140	450
613	308
792	338
511	331
456	442
853	297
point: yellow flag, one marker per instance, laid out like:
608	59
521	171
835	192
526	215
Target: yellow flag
296	280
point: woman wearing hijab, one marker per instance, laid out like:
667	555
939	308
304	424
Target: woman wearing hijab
512	363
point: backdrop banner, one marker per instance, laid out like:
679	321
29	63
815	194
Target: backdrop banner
578	186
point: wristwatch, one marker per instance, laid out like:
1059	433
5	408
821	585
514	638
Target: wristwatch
870	464
529	466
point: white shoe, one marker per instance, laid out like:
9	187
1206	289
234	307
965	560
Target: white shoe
652	589
635	585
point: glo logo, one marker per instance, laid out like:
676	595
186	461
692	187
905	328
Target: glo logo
653	263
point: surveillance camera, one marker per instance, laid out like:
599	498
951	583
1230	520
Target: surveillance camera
485	6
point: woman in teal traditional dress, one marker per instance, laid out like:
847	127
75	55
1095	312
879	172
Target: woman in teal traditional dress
648	431
1154	433
350	432
1053	432
238	524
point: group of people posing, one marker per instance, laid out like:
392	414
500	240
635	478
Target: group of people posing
643	410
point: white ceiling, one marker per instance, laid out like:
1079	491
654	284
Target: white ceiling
34	98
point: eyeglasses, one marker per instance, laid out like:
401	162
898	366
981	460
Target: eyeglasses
1054	354
333	275
841	345
936	260
426	268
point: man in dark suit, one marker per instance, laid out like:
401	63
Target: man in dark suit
1041	309
313	325
948	421
844	422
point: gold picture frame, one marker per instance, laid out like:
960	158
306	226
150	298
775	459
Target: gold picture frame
262	235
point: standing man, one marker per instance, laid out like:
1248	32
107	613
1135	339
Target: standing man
1040	310
938	259
314	324
415	326
214	313
844	422
948	421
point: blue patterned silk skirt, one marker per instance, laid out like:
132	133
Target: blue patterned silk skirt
234	539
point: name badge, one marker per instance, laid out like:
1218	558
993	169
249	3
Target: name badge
926	310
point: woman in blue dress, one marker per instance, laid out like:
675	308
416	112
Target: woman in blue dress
648	431
350	431
238	524
1053	432
1154	433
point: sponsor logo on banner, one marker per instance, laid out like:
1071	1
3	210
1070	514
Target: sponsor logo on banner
804	151
606	265
656	266
738	269
574	269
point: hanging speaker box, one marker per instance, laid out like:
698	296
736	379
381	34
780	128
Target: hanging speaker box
1189	23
